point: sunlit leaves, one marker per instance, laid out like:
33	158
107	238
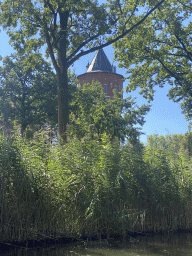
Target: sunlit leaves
160	50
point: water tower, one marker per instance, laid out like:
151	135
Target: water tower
102	71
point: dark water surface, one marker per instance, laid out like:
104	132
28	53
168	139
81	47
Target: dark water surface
178	244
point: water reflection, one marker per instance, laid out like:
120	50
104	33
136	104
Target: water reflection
179	244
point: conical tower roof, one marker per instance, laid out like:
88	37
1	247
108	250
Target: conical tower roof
100	62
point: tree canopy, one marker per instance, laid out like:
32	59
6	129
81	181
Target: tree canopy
159	51
28	92
71	29
92	115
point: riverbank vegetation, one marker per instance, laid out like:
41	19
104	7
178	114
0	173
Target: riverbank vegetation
71	163
93	187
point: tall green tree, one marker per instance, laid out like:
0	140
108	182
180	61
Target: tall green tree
159	51
28	90
92	115
71	29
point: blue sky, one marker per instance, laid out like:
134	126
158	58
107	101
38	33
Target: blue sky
165	116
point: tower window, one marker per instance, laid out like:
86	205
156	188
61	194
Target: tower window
115	87
105	88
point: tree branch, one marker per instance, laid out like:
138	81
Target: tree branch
170	72
115	39
131	13
119	6
166	68
61	5
55	41
31	101
189	54
50	49
82	45
177	55
50	6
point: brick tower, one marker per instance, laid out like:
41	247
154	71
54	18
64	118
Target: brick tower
102	71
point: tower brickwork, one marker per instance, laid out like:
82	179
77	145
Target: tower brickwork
102	71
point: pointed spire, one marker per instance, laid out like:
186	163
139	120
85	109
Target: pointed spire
100	62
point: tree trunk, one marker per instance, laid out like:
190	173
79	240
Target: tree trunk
63	105
63	97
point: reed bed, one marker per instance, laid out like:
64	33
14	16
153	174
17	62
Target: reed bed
87	189
172	220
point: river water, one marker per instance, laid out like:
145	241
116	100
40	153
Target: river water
178	244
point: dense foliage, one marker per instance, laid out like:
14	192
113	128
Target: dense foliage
28	91
93	187
92	115
70	29
159	51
